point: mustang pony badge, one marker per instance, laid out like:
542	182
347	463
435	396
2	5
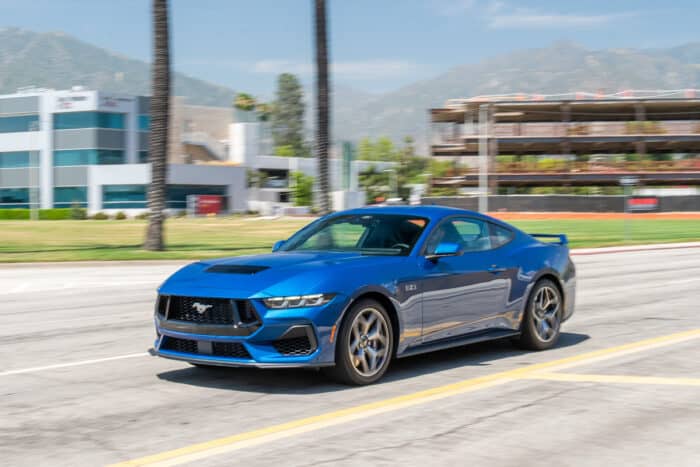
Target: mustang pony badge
201	307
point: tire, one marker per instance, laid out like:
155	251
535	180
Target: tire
541	324
363	353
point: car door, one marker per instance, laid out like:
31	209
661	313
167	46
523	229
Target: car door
462	293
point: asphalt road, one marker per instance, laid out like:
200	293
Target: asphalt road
622	387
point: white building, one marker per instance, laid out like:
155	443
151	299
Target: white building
250	146
59	148
90	148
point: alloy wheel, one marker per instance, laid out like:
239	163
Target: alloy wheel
369	342
545	313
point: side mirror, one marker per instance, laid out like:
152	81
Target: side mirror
278	244
444	249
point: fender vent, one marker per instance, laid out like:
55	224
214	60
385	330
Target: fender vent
236	269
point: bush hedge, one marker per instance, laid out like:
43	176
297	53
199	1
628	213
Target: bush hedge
14	214
44	214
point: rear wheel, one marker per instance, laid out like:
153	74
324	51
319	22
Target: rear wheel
542	320
365	343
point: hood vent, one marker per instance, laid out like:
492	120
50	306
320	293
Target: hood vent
236	269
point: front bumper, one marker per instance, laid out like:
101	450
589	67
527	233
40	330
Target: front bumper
289	338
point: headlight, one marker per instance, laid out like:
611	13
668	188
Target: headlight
298	301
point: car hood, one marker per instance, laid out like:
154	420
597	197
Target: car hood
281	273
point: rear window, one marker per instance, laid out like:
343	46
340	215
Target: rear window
500	235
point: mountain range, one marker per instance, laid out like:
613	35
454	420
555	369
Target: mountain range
57	60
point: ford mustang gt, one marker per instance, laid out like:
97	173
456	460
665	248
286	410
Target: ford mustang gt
353	290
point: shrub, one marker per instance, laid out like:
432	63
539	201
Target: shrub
56	214
14	214
78	213
303	189
142	216
99	216
120	216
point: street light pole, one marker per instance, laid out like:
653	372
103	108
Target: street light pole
483	158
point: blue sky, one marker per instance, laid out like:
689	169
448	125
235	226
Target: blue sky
376	45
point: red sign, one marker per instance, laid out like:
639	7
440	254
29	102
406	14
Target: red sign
208	204
646	203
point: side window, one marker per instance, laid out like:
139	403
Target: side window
500	235
474	233
469	234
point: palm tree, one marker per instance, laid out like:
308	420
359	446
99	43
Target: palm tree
158	143
322	103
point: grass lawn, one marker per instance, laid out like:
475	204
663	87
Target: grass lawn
27	241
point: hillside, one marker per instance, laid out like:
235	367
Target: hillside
563	67
56	60
59	61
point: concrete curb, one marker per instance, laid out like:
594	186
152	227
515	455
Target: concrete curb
633	248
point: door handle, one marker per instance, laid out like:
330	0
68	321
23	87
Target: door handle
496	270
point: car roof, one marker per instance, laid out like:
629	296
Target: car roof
432	212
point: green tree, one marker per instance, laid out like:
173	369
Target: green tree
288	114
158	142
385	151
365	150
322	104
303	189
285	151
245	102
376	184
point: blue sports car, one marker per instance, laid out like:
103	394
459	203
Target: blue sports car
353	290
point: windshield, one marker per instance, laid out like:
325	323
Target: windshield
379	234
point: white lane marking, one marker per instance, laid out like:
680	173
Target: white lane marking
71	364
65	286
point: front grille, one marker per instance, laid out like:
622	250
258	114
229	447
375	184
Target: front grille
216	310
230	349
218	349
208	310
179	345
293	346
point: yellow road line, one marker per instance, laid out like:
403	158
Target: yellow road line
264	435
625	379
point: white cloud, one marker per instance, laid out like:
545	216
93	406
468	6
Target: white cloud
498	14
526	20
362	69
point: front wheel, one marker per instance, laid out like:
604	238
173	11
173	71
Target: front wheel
365	343
542	320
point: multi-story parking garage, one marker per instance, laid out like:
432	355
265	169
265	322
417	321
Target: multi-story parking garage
631	122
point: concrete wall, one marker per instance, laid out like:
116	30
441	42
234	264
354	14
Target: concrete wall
561	203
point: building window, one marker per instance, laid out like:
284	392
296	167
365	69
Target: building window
67	196
88	157
124	196
144	122
14	198
14	160
143	157
76	120
19	123
177	194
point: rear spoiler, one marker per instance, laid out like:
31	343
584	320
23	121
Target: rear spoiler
563	240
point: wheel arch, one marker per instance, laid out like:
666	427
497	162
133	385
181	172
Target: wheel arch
383	297
553	276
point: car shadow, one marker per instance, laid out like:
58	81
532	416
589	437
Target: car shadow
300	381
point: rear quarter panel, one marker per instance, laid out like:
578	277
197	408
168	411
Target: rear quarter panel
536	260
